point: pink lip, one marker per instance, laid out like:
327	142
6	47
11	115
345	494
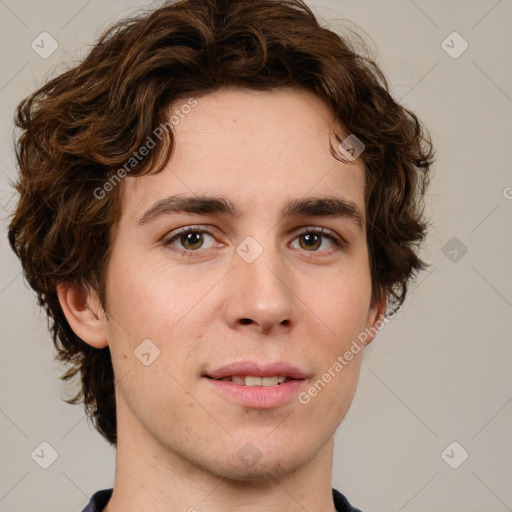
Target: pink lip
259	397
258	370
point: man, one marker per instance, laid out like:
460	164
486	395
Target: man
217	208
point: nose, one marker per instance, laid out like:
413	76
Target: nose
259	294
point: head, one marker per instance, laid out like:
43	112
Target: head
246	102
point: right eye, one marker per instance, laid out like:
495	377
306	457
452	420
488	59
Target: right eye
191	239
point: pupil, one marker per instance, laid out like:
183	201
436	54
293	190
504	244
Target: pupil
310	239
192	238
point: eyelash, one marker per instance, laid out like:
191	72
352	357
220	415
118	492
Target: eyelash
338	242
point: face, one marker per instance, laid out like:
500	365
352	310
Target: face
213	287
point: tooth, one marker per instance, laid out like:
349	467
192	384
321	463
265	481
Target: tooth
269	381
252	381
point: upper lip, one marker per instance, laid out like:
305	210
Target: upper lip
256	369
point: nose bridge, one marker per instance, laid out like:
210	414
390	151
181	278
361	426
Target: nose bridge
260	288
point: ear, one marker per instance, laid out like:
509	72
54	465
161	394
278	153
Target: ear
83	313
374	319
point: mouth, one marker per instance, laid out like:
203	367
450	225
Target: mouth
253	380
258	385
257	392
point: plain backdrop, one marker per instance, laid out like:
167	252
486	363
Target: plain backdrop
435	385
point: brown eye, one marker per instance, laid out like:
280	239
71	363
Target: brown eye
192	240
189	239
311	240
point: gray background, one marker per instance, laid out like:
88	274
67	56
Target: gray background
438	373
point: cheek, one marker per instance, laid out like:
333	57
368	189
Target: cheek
149	301
341	309
343	302
149	296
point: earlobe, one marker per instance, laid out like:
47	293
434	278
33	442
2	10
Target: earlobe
375	319
84	314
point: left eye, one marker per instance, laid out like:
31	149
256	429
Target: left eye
192	239
313	237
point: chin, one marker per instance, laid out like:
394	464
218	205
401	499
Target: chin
262	471
261	460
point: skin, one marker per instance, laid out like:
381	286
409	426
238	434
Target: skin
178	438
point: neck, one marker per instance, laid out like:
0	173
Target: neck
153	476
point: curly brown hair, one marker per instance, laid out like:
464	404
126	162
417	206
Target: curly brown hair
82	125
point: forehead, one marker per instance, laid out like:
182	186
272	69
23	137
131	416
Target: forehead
230	117
250	145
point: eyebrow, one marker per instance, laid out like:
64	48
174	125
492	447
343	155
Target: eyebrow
325	206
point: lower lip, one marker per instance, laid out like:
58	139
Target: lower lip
258	397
